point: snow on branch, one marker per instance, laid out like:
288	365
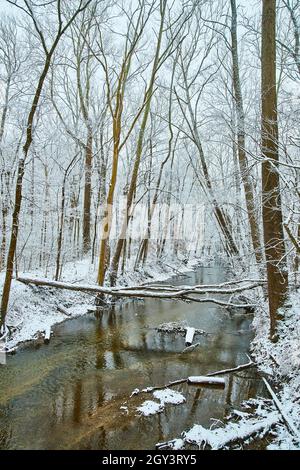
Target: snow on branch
180	292
221	437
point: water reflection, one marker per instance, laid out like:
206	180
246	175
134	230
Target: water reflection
68	394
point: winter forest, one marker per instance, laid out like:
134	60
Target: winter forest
150	224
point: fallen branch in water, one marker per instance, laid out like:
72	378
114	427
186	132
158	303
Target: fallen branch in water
234	369
181	381
181	292
203	286
190	348
178	327
219	302
189	337
206	380
47	334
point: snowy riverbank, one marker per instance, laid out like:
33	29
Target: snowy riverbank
33	310
281	362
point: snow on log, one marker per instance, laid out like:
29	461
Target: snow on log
286	418
221	437
64	311
174	444
182	292
47	334
189	337
202	379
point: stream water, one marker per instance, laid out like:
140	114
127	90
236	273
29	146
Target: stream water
68	394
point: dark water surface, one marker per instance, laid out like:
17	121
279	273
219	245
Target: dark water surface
68	394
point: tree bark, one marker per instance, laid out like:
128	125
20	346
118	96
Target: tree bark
116	258
271	198
241	141
18	192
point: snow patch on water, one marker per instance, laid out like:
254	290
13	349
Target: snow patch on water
149	408
169	396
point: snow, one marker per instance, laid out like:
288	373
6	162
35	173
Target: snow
220	437
149	408
34	310
281	361
169	396
175	444
190	332
147	389
124	409
165	397
172	327
201	379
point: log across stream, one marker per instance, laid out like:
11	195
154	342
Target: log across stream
74	392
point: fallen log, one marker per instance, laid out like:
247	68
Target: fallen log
204	286
64	311
47	334
234	369
190	348
221	437
181	381
218	302
206	380
287	420
182	293
174	444
189	337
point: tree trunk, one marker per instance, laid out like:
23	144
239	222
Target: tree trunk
242	157
271	198
18	194
116	258
87	193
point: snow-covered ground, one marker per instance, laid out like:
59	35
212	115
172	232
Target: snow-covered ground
281	361
32	310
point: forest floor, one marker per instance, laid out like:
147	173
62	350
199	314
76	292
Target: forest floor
34	310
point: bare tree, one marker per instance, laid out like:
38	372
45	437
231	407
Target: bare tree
62	25
241	140
271	197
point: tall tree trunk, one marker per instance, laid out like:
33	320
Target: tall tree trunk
271	198
4	193
5	109
18	193
139	150
242	157
87	193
